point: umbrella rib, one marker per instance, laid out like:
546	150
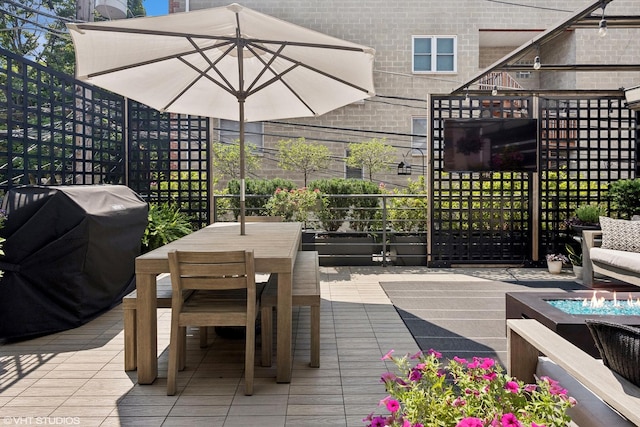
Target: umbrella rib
308	67
212	65
155	60
267	64
205	75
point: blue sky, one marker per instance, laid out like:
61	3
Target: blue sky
156	7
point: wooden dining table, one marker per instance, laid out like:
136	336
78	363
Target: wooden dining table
274	245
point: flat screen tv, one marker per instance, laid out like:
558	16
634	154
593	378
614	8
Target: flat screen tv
497	145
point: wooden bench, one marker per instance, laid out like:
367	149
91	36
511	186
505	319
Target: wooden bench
305	292
129	308
527	338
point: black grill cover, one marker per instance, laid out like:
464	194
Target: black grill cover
69	255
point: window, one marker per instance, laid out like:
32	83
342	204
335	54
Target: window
230	132
352	172
419	138
434	54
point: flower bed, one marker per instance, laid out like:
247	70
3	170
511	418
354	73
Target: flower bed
463	393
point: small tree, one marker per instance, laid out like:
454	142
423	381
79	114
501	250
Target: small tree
301	156
372	155
226	159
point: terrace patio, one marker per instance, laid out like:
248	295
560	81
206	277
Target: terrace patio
76	377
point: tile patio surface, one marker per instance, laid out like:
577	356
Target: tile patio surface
77	378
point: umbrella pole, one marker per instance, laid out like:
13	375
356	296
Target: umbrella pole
242	153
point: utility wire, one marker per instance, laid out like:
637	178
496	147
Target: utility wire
508	3
40	12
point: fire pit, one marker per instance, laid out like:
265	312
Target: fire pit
571	326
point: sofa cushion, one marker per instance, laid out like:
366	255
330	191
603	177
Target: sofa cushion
590	409
620	234
619	347
621	259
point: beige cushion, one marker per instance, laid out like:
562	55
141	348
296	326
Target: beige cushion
620	234
590	410
621	259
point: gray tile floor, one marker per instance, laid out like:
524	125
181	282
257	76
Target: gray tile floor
77	378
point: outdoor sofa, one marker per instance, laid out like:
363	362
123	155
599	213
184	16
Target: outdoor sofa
613	251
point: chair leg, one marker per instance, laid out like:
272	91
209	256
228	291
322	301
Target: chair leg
266	327
130	339
204	339
174	358
249	358
183	349
315	336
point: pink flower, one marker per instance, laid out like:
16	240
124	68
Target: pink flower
512	387
460	360
392	405
388	376
417	355
459	402
510	420
388	355
470	422
487	363
432	352
415	375
490	376
378	422
530	388
537	425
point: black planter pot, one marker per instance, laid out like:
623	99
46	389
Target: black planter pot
344	249
408	249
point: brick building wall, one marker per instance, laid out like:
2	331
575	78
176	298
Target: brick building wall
388	27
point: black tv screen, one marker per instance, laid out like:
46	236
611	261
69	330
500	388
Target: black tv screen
498	145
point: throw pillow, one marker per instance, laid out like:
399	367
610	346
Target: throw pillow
619	347
620	234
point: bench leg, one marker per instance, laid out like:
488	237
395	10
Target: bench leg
266	320
522	357
315	336
203	337
130	339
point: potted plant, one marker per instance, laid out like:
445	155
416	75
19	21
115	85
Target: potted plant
625	195
586	217
408	219
462	393
575	257
555	261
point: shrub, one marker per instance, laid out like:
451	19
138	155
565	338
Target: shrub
166	224
263	188
625	195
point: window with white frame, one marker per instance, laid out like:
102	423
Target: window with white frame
419	136
253	131
434	54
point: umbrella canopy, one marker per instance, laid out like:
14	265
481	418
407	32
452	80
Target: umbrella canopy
228	62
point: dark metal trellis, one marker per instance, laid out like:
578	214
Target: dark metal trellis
480	217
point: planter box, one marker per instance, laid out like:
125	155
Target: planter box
408	249
337	249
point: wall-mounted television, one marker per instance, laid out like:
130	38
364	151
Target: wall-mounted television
489	144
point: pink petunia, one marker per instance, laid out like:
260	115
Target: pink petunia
537	425
416	355
388	376
512	387
388	355
432	352
470	422
393	405
415	375
510	420
378	422
529	388
490	376
488	363
459	360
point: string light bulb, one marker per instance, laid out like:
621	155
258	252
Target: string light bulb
602	32
536	63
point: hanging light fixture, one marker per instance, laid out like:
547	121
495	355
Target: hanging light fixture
494	92
467	98
602	31
536	63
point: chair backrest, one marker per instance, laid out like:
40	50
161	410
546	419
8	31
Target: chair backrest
254	218
227	270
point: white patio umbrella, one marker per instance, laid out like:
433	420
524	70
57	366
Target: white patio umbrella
227	62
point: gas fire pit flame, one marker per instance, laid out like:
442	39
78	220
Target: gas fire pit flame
596	302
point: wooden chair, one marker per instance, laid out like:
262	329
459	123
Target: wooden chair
224	295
